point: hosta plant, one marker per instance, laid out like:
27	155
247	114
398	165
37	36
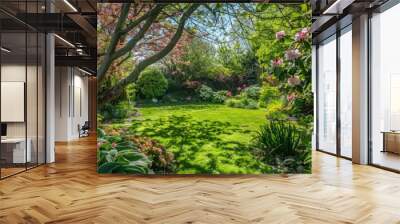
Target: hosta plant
118	155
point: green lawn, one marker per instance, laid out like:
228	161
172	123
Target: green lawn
205	138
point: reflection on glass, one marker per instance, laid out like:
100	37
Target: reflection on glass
31	100
327	96
346	93
385	92
41	99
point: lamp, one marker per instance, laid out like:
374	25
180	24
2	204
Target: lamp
84	71
337	7
5	49
64	40
70	5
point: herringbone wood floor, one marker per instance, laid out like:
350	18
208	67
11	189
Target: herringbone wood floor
70	191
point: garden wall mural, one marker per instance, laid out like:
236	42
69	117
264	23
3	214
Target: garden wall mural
212	88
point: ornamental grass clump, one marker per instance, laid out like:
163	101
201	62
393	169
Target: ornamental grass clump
284	146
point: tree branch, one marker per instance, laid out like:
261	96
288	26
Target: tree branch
116	90
106	63
134	40
136	22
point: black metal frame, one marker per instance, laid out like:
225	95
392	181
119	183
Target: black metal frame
44	80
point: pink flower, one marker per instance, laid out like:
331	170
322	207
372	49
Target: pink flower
277	62
302	35
113	144
99	144
292	54
280	35
291	97
294	80
229	94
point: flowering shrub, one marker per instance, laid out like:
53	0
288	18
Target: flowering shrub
294	80
277	62
161	159
292	54
119	153
302	35
280	35
289	74
291	97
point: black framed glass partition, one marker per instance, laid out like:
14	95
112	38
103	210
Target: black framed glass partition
22	66
334	93
385	88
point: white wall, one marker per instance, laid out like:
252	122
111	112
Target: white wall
71	102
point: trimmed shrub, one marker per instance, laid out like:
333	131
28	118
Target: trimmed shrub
116	112
206	93
242	103
152	83
252	92
219	97
252	104
234	103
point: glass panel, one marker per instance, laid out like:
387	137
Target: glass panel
346	93
31	97
385	84
32	87
41	99
327	96
13	86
